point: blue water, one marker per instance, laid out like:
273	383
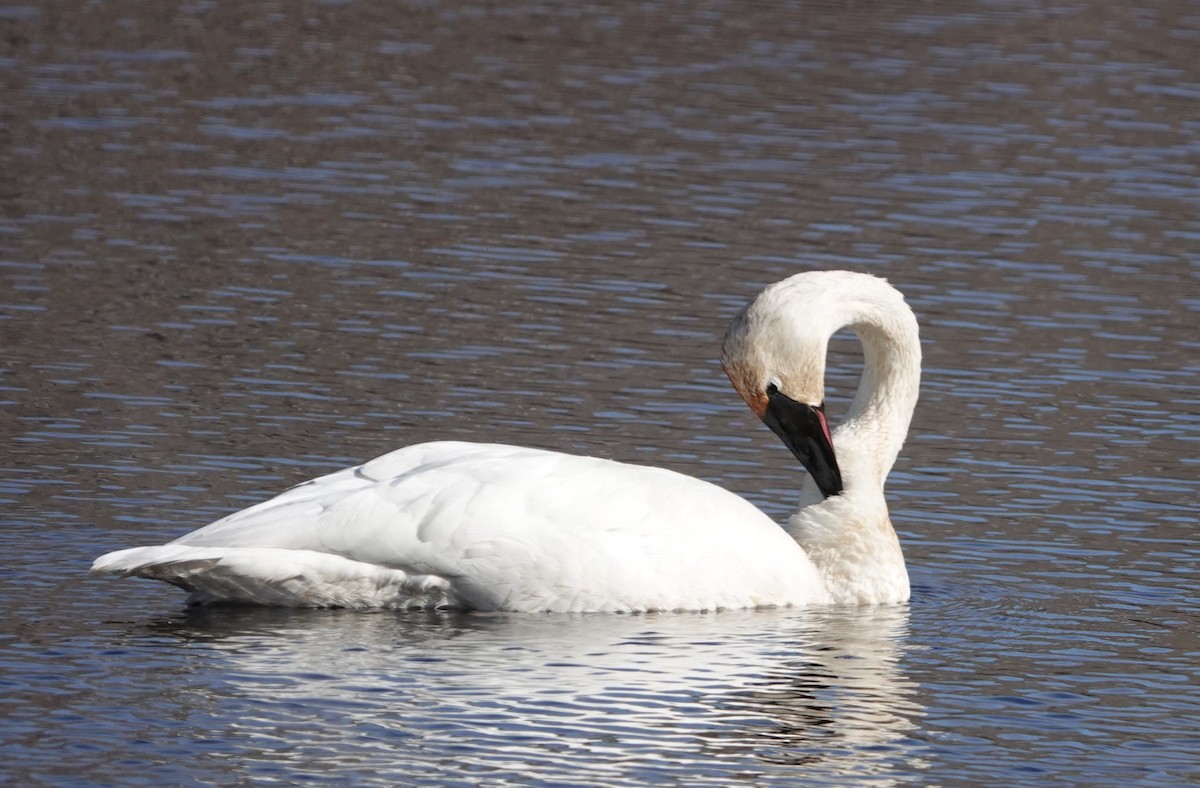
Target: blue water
242	245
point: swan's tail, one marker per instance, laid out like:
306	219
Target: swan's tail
273	576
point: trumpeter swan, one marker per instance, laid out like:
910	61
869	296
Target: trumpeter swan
491	527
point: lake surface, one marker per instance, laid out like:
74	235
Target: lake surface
243	244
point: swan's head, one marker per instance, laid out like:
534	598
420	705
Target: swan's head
774	354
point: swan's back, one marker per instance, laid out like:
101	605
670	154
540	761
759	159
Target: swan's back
491	527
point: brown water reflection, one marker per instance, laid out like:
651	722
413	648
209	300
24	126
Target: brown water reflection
243	243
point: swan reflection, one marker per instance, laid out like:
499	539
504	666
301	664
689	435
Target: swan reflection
543	696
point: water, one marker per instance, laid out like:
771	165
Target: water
242	244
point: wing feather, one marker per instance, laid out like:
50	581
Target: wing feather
510	527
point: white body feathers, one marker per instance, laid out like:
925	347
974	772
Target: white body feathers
493	527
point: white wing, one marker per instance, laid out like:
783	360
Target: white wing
491	527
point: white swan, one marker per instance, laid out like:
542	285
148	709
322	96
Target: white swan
492	527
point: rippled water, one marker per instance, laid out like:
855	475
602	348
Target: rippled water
245	243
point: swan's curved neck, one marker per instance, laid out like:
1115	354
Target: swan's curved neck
849	537
776	347
872	434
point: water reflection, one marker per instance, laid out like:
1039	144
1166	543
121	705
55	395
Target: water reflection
772	691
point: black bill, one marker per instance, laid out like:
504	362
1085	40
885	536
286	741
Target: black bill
803	429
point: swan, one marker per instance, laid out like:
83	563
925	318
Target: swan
503	528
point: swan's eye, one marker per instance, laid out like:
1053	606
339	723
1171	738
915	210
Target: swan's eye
772	389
